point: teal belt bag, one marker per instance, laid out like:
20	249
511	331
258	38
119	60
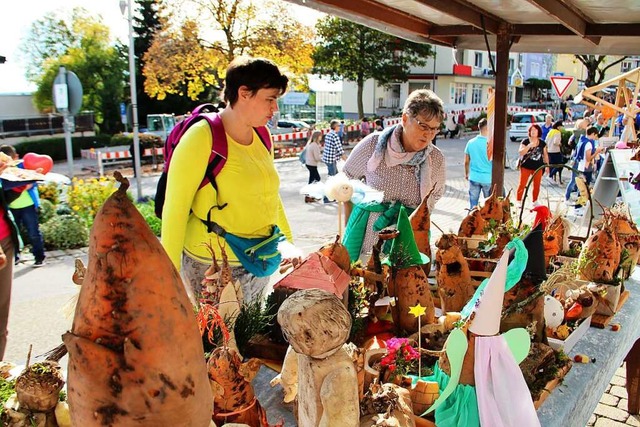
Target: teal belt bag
258	255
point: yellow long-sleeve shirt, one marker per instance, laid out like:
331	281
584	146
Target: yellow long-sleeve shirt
248	184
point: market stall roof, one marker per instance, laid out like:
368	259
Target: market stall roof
546	26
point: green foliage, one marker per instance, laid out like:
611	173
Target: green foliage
347	50
147	140
55	147
65	232
46	211
82	44
538	83
149	215
49	191
63	210
358	303
7	389
85	197
253	319
472	122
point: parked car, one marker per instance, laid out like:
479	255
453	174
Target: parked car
577	110
288	126
521	122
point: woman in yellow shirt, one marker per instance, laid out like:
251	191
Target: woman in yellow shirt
246	202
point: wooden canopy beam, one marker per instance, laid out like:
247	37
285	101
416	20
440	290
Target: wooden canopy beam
593	30
379	16
567	16
465	12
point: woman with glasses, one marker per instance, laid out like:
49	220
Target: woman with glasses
400	161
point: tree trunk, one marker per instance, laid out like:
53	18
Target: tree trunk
360	103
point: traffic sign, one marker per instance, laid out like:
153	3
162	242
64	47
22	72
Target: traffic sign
561	84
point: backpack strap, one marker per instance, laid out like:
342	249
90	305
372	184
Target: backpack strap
220	148
265	137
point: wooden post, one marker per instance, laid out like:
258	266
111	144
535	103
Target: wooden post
500	123
633	379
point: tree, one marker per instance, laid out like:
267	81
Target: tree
176	63
596	68
149	21
347	50
184	62
81	44
287	42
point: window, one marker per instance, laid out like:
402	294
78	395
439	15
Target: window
511	64
478	60
535	69
476	94
625	66
460	93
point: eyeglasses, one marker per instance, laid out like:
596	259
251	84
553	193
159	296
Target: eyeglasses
425	127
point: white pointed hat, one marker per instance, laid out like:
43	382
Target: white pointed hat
489	309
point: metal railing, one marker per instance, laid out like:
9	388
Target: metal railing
43	125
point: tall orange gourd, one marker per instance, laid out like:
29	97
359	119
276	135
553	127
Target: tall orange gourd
135	352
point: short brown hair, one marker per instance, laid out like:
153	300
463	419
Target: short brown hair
255	74
424	101
482	123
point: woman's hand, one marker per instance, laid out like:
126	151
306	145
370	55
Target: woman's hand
291	255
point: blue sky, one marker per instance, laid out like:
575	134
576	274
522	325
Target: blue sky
16	23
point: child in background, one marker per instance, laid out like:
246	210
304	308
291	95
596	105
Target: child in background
25	212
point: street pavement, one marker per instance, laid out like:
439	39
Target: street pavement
40	295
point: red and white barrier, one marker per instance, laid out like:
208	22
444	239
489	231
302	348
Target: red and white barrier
114	155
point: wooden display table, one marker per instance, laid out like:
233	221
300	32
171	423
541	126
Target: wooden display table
573	402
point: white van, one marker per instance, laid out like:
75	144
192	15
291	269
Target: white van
521	122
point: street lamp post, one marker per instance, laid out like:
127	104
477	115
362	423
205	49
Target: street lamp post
126	4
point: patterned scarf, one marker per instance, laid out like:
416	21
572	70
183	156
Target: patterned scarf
389	148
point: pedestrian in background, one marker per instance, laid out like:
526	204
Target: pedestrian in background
477	166
25	212
533	154
462	120
333	151
586	153
365	127
313	155
554	148
452	127
341	132
547	126
378	125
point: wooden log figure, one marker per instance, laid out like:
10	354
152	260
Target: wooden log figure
408	282
420	220
452	274
472	224
317	325
492	208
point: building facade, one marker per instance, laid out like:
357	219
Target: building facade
461	78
